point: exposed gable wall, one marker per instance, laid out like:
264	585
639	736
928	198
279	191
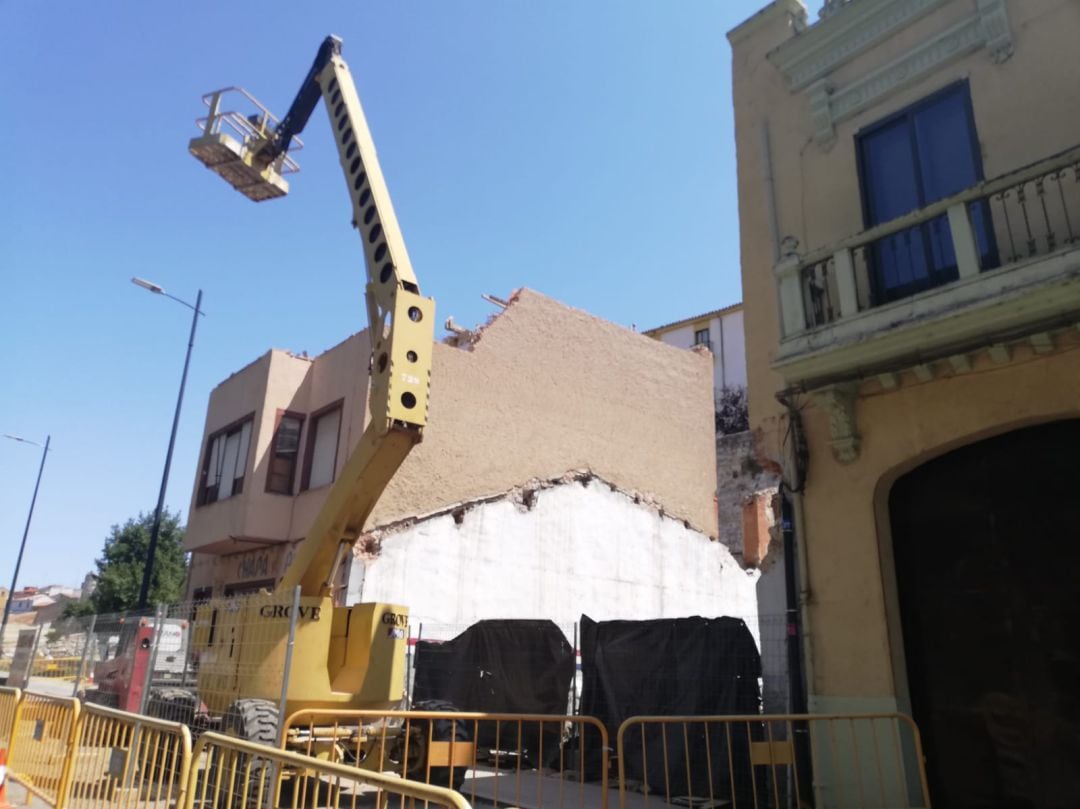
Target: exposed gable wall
547	389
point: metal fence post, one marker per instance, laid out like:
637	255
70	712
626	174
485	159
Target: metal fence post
271	785
293	613
33	655
85	654
573	680
148	675
416	657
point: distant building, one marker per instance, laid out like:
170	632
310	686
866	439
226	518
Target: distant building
29	600
720	331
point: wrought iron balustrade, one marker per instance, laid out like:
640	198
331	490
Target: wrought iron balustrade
1012	219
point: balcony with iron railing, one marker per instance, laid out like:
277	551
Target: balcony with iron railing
998	260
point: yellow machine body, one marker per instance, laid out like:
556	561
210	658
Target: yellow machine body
344	657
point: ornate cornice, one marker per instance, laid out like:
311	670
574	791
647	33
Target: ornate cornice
830	104
842	35
953	42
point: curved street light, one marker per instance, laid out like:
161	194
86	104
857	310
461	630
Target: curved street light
148	568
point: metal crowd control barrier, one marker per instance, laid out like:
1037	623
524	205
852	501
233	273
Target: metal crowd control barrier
42	739
60	668
9	704
499	760
772	761
237	773
123	759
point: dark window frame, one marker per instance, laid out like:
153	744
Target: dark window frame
962	87
202	498
708	337
313	429
280	416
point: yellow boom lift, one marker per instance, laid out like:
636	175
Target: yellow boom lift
344	657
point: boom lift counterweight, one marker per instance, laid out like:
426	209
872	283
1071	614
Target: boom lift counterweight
345	657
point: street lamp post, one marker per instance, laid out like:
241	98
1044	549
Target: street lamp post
148	569
26	531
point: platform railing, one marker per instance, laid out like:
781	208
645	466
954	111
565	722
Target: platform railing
242	126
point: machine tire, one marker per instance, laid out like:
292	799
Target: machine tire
443	731
254	720
106	699
173	705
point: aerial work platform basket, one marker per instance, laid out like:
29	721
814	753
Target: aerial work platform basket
232	141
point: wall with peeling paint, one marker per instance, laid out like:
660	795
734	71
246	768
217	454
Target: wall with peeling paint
582	547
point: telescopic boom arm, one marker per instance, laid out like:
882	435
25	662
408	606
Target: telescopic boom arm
401	321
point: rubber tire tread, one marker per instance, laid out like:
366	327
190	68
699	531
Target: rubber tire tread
173	705
258	719
440	776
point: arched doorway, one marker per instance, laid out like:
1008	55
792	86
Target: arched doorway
986	541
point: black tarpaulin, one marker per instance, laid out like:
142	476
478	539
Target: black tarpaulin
512	666
672	667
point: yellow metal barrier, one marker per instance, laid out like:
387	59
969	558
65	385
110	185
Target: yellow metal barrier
42	739
123	759
61	668
9	705
871	760
495	759
230	772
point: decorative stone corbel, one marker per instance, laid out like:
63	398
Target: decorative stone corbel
994	22
839	402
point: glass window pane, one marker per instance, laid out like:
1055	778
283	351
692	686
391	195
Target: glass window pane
229	455
890	176
242	452
946	157
212	464
286	451
324	452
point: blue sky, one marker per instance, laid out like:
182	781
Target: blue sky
583	149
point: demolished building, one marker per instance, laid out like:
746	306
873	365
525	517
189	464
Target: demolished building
568	468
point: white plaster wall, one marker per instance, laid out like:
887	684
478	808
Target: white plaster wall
580	549
734	350
729	368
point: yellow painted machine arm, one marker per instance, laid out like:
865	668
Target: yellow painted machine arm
401	321
402	328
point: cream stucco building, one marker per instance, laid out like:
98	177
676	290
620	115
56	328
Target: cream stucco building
909	214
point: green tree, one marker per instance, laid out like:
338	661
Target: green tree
120	568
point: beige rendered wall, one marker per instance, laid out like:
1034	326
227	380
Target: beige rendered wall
340	373
858	650
547	389
242	393
1020	117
